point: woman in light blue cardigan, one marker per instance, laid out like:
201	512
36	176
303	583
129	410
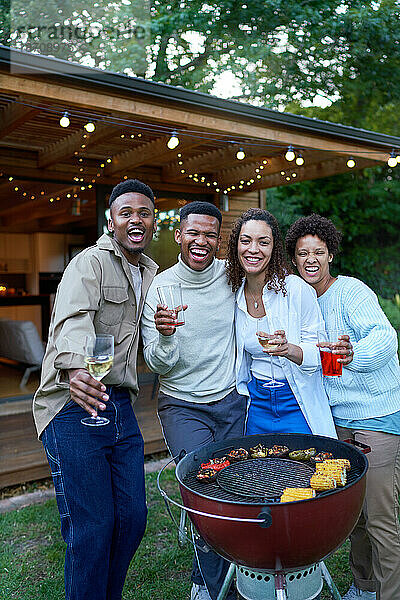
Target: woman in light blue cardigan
365	402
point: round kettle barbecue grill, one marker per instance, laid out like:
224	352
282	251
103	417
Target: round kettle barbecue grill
240	515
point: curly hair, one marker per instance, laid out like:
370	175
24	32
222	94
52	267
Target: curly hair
278	267
313	225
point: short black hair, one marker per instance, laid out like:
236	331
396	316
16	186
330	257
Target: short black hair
313	225
200	208
131	185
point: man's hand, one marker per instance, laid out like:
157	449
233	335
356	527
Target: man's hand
87	391
165	319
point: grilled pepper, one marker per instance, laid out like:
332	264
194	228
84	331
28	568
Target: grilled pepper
298	455
216	464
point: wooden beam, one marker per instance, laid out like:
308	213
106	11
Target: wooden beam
151	152
227	177
63	149
172	116
14	115
33	209
208	161
313	171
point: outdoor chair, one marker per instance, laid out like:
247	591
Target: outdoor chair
20	341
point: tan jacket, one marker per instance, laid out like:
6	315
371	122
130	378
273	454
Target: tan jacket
96	294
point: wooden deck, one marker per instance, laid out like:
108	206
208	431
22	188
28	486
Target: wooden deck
21	455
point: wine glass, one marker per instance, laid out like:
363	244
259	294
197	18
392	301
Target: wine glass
99	356
268	341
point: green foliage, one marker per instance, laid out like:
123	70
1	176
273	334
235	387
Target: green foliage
392	311
365	207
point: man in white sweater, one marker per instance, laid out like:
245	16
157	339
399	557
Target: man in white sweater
198	403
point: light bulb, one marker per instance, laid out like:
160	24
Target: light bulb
173	141
351	163
64	121
299	160
90	127
392	160
290	155
240	155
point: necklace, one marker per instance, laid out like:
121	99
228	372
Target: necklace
254	300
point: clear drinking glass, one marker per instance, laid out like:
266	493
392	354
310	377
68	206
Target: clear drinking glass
99	357
269	342
171	296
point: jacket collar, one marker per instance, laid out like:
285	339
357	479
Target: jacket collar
105	242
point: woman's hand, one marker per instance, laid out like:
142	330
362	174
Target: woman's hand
345	348
284	348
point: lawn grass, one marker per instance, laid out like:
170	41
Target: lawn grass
32	555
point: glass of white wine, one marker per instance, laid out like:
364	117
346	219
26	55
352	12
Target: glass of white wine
99	357
269	341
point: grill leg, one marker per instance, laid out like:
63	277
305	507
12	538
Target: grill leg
227	583
182	537
280	585
329	582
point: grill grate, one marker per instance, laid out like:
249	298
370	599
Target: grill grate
264	477
214	491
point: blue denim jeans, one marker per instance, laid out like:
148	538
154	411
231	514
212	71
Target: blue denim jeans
98	475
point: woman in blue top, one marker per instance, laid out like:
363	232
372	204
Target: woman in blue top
365	402
286	307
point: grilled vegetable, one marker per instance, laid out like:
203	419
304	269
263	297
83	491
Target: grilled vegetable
337	472
278	451
341	462
293	494
259	451
321	456
298	455
237	454
310	452
216	464
207	475
321	483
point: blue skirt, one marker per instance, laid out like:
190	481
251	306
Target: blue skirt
274	410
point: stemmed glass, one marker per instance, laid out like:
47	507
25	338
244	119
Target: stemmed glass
269	342
99	357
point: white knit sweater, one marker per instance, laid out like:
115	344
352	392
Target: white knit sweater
197	362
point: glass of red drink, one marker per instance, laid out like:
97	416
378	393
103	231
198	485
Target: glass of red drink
329	344
171	296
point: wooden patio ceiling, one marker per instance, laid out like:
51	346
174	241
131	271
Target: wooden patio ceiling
46	169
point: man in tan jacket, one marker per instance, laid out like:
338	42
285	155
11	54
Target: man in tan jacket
98	471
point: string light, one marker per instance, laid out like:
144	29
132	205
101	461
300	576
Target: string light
299	160
392	160
240	154
173	141
351	163
90	127
64	121
290	155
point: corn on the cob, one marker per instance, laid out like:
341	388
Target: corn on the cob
293	494
321	482
342	462
338	473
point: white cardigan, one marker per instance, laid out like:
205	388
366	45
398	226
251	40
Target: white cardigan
299	315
